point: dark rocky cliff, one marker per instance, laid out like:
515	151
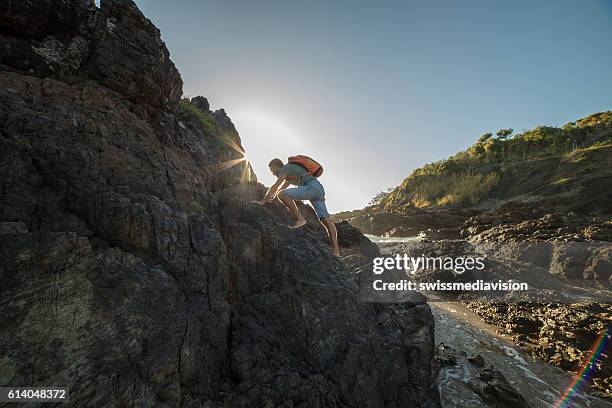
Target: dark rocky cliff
135	271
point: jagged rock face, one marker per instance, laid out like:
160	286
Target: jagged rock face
134	269
121	275
37	19
201	103
115	45
141	68
327	360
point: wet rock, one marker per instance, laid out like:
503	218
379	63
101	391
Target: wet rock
496	392
559	334
477	361
472	383
446	356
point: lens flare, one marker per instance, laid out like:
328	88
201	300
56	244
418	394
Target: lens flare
586	371
247	171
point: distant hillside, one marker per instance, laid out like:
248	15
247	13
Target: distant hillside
561	174
572	164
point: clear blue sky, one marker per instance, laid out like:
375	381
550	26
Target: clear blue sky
376	89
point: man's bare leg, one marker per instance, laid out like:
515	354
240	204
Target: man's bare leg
290	204
333	234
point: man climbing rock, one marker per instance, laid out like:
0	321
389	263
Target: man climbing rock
301	171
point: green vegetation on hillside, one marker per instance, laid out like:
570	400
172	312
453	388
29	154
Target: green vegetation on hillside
188	109
573	160
215	138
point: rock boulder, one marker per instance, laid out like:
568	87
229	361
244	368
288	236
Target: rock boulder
136	272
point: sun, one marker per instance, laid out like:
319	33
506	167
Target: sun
266	134
247	171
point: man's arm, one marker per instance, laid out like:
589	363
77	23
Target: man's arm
274	188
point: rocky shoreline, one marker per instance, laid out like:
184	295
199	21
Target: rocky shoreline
513	221
561	331
565	253
560	334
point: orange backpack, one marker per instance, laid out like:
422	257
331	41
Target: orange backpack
310	164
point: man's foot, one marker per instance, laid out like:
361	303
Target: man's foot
298	223
335	252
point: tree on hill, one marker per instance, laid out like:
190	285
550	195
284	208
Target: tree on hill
504	134
485	136
378	198
478	148
493	149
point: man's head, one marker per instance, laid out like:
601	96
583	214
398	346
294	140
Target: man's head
275	165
